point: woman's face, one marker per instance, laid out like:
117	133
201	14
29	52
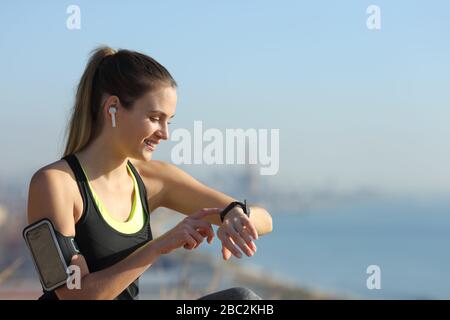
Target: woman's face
146	124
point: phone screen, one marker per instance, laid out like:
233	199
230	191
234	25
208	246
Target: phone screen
47	258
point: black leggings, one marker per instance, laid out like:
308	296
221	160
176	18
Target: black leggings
237	293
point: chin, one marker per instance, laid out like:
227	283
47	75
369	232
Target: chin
147	155
147	158
143	155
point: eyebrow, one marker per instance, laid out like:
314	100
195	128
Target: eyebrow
158	111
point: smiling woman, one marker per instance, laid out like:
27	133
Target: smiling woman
103	189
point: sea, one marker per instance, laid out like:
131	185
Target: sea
369	249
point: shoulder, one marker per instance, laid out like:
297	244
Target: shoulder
155	168
159	177
179	191
146	168
56	176
163	172
50	195
154	175
57	172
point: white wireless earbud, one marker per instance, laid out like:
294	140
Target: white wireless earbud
112	110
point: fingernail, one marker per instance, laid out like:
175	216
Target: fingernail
239	255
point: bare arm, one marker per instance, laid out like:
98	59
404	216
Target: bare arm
108	283
187	195
49	198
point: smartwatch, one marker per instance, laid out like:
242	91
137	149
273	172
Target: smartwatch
243	205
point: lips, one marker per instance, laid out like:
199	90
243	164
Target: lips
150	144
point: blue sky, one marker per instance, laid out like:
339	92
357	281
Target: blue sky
355	107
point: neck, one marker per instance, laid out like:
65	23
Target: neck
101	161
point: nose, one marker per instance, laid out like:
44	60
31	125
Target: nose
163	133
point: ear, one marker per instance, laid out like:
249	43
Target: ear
108	102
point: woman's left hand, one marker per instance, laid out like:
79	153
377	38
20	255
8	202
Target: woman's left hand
236	232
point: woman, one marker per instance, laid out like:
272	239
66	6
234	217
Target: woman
96	194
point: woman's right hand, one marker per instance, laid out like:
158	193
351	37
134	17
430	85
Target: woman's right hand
189	233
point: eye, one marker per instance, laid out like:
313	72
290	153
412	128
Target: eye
156	119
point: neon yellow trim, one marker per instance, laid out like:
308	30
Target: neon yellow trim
136	219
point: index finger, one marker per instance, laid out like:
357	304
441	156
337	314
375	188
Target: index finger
203	225
205	212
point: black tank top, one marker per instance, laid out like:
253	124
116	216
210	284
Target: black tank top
99	243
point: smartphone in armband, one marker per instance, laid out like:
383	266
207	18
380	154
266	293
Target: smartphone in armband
51	253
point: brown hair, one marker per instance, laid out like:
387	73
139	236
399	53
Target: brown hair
125	74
